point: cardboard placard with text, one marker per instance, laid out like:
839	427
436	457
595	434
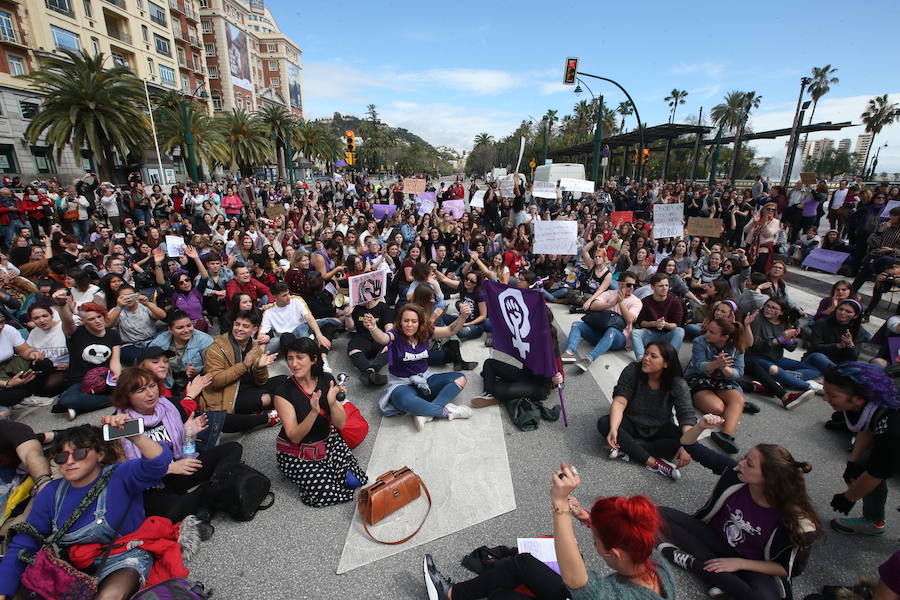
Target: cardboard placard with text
368	286
621	216
412	185
705	227
808	178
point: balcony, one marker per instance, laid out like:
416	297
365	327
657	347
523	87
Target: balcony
173	4
119	35
182	62
178	32
60	6
194	41
189	12
8	35
158	19
120	3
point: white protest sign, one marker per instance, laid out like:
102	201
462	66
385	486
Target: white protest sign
556	237
577	185
477	200
886	212
668	220
543	189
351	188
174	245
507	185
368	286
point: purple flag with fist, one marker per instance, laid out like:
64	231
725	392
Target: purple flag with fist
521	327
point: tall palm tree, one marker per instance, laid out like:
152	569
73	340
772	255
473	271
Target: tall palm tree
675	98
246	142
625	109
550	117
315	141
86	103
879	114
822	80
277	123
208	140
735	110
483	138
166	99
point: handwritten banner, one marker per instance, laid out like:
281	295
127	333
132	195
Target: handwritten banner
577	185
668	220
705	227
808	178
621	216
174	245
457	208
426	201
367	287
886	213
556	237
477	200
413	185
829	261
543	189
383	209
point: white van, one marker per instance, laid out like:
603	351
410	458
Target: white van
556	171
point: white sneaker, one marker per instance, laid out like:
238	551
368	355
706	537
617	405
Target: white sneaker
325	366
458	412
420	421
817	387
36	401
615	453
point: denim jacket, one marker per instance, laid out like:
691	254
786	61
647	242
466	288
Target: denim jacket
193	352
704	352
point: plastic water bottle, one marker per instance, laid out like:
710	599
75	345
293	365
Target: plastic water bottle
189	448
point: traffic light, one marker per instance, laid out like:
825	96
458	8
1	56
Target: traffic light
634	157
351	140
349	157
646	156
571	71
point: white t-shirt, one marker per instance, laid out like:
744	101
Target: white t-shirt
52	343
284	319
86	296
110	205
9	339
837	199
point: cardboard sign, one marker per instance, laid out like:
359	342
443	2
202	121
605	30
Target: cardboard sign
368	286
705	227
174	245
668	220
413	186
543	189
507	185
808	178
886	213
556	237
621	216
477	200
426	201
825	260
383	209
457	208
577	185
275	210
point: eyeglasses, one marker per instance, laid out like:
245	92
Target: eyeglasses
471	281
62	458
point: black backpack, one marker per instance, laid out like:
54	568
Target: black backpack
240	491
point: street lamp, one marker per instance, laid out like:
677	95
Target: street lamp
598	131
188	134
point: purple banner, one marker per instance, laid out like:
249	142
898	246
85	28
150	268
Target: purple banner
457	208
825	260
894	347
521	326
383	209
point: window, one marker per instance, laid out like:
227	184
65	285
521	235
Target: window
16	65
204	3
162	45
271	47
65	39
185	84
145	33
276	82
157	13
29	109
62	6
150	65
87	161
95	46
42	159
8	159
273	65
119	59
210	49
140	4
206	26
167	75
217	101
88	12
7	29
181	59
213	71
197	64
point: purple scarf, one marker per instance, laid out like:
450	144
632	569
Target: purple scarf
863	423
165	413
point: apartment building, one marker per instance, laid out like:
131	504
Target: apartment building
863	142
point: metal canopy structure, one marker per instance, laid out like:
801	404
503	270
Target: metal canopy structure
668	131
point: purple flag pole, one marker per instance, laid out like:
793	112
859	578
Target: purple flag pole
562	403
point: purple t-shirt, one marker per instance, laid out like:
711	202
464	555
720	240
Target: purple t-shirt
745	525
890	572
405	360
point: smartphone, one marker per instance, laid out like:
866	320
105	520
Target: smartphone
111	379
131	297
27	373
131	428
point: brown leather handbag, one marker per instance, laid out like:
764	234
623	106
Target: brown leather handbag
390	492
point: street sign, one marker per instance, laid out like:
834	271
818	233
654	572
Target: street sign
532	164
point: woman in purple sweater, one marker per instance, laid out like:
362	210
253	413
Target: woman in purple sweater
84	459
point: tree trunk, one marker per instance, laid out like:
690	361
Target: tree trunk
105	161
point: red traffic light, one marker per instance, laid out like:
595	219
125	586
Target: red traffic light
571	71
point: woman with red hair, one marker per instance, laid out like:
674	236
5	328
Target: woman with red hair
625	531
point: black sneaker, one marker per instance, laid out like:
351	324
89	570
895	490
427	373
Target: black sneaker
464	366
724	441
376	378
488	340
750	408
205	530
437	586
676	556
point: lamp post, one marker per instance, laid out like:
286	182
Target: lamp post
598	132
871	174
637	116
792	145
188	134
153	127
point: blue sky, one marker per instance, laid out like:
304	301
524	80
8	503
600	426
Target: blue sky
448	71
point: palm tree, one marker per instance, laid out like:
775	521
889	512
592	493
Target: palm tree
822	80
209	142
277	123
549	118
675	98
167	99
879	114
86	103
625	109
246	142
731	113
483	138
315	141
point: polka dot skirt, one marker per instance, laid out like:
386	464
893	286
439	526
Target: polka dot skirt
322	482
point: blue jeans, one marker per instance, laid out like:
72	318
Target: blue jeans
141	215
443	386
73	397
642	337
818	361
611	339
555	294
784	376
81	229
692	330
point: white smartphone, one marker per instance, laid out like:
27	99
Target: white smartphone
131	428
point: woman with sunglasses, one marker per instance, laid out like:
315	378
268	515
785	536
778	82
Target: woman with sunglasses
183	294
470	293
759	238
85	461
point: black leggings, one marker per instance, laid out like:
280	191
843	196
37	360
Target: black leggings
44	384
499	581
664	444
174	501
370	355
248	408
704	543
762	375
505	382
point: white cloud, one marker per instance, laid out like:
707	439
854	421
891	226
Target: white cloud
706	92
338	80
553	87
710	69
475	81
444	124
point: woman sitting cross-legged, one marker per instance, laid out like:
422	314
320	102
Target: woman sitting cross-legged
116	508
310	449
755	532
412	388
137	395
639	425
624	531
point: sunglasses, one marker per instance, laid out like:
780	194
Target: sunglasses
471	281
62	458
628	285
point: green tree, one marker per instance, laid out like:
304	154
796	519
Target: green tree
675	98
315	141
379	139
833	162
822	80
246	142
733	112
879	114
483	138
209	143
278	124
86	103
624	109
